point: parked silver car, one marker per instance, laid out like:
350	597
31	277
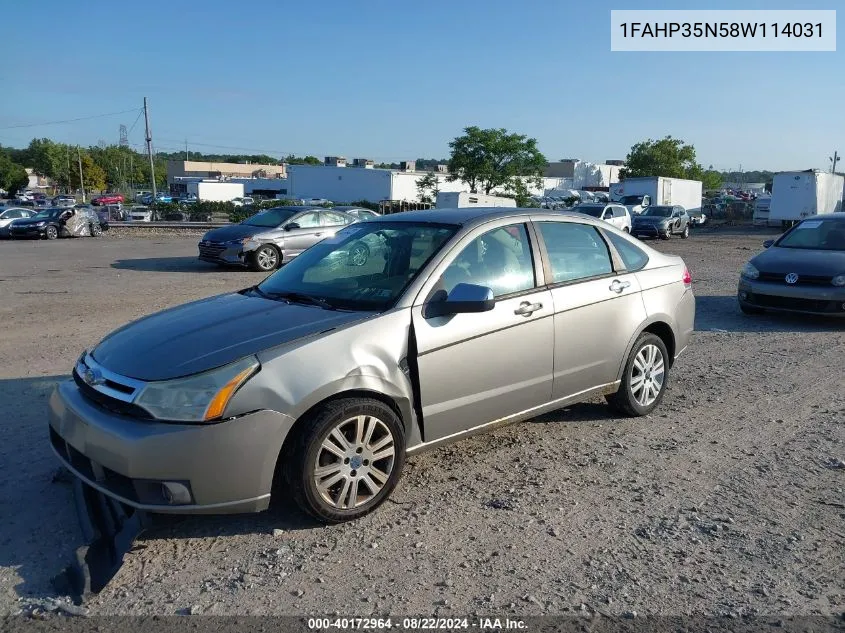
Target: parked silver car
322	378
271	238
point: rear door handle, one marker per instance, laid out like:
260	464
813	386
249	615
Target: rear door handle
618	286
527	309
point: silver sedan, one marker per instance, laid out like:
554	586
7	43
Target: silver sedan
320	380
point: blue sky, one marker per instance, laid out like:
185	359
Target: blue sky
391	80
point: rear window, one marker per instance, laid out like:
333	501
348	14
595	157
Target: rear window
633	257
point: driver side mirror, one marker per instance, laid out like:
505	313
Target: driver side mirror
291	226
768	243
464	299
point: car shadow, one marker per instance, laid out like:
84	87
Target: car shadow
41	530
172	265
719	313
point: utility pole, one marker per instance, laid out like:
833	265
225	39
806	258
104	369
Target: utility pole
81	180
834	159
150	148
69	187
186	149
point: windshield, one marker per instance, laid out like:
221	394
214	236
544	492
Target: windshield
658	212
48	213
631	200
823	235
590	209
364	266
269	218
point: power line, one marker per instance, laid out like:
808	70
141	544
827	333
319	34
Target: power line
84	118
137	118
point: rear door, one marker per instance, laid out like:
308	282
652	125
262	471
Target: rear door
597	305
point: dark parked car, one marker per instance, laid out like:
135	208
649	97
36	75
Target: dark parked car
801	271
271	238
54	223
661	221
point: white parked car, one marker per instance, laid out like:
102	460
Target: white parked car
241	202
140	214
9	215
615	214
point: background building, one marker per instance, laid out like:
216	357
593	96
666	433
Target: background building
267	180
578	174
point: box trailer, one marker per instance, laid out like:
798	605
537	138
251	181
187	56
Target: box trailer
216	191
461	199
801	194
637	194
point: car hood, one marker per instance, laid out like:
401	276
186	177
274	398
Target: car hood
648	219
802	261
234	232
209	333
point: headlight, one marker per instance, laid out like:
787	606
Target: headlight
839	280
244	240
40	223
198	398
750	271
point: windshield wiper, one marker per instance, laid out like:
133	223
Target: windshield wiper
298	297
259	292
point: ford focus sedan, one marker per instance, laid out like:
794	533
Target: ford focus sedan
802	271
320	380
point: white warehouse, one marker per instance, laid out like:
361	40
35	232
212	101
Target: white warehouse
349	184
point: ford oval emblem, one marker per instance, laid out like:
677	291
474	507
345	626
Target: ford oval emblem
791	278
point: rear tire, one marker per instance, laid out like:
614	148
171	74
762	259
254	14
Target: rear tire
96	230
645	378
265	259
345	459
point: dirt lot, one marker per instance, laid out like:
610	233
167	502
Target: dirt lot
729	499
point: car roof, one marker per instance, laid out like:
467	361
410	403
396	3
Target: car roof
351	208
475	215
300	207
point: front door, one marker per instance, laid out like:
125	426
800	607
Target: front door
479	368
310	232
597	307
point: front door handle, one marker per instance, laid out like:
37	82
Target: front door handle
527	309
317	234
618	286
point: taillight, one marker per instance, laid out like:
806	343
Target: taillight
687	278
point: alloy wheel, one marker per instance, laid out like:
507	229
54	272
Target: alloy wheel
354	462
267	258
648	373
359	255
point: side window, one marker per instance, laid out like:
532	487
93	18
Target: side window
13	214
500	259
333	219
576	251
308	220
633	258
618	212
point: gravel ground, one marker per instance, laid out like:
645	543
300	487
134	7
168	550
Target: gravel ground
727	500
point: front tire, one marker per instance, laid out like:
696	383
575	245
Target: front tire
645	378
265	258
685	232
51	233
346	459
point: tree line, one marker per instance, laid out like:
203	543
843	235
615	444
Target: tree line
485	159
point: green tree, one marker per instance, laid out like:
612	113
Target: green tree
48	159
94	175
668	157
486	159
290	159
518	190
427	187
12	175
711	180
